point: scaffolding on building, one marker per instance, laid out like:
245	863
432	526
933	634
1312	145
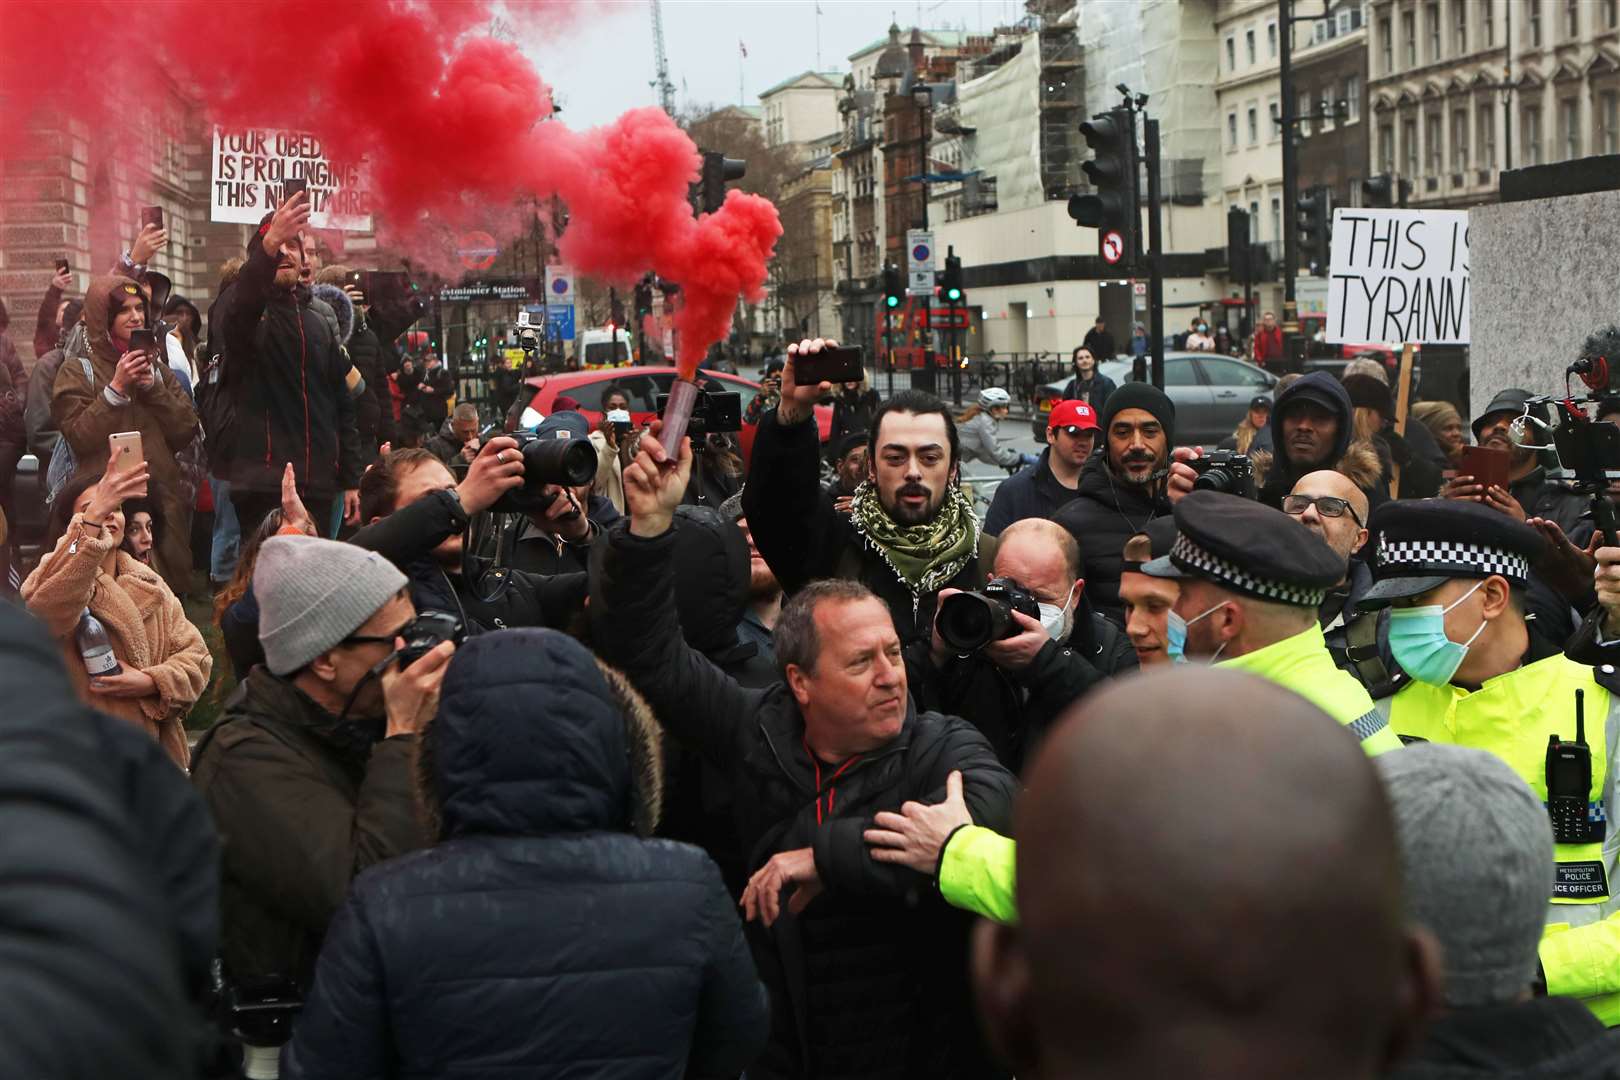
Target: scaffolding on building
1062	95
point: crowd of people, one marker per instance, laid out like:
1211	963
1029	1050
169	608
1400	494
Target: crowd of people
798	767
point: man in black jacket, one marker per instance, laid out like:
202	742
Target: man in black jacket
910	530
1044	488
864	961
1013	689
418	519
371	350
1311	428
286	375
1530	493
1123	488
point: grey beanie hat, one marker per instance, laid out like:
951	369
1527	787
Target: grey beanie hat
1477	861
313	593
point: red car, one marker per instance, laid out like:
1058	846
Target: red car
643	385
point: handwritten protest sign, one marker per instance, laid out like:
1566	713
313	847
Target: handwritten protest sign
251	165
1399	276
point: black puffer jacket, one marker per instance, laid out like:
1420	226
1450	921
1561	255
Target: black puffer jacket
803	538
1105	514
287	376
371	349
541	936
870	980
101	926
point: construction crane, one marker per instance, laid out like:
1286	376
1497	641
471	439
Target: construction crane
661	83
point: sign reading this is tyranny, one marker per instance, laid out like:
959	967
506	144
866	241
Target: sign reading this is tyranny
1399	276
252	165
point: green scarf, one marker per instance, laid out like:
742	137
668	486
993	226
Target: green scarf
925	557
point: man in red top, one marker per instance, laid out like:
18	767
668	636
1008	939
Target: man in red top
1268	343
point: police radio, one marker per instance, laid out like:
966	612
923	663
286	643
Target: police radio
1569	783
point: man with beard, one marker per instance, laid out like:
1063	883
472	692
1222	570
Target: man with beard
758	623
1311	429
910	531
1124	488
287	377
1529	494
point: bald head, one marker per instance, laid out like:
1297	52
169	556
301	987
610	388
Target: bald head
1247	848
1345	534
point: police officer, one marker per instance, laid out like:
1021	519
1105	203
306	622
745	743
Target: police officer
1251	580
1455	575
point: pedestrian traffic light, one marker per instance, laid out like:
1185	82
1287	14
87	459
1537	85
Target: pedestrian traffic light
951	281
709	193
1237	244
1315	226
892	290
1113	174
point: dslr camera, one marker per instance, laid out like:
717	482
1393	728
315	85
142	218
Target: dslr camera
716	412
968	621
426	632
1226	471
563	462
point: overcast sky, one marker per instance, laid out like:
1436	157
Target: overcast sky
603	65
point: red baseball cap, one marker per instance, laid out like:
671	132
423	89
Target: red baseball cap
1073	414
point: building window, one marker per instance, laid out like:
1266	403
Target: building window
1485	115
1431	145
1572	20
1275	131
1459	140
1386	46
1533	13
1611	13
1462	28
1530	131
1569	127
1431	24
1487	24
1271	41
1352	97
1386	148
1409	37
1254	125
1324	109
1302	112
1248	45
1409	147
1231	131
1608	118
1231	53
1276	217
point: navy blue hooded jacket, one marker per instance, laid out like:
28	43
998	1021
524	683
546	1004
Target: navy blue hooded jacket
542	936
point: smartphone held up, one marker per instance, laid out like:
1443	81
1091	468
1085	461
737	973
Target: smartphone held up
126	453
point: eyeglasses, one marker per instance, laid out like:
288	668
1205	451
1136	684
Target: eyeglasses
1326	505
1074	431
377	639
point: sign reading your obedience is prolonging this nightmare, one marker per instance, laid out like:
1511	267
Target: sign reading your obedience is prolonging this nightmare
1399	276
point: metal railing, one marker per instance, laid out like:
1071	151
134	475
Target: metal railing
1020	374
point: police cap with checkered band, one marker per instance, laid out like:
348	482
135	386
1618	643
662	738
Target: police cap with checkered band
1421	544
1249	548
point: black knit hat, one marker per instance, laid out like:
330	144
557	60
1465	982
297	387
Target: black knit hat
1145	396
1368	393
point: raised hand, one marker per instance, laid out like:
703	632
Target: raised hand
798	402
497	469
654	486
289	220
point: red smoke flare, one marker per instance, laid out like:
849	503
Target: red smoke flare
453	125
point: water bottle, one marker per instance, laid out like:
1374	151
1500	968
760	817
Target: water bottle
96	647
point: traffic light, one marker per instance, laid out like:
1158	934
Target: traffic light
893	291
1113	173
644	297
951	281
1315	228
709	193
1237	244
1378	192
615	308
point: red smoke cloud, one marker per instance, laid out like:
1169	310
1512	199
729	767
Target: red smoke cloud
453	125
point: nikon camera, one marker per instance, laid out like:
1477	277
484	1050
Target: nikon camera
969	621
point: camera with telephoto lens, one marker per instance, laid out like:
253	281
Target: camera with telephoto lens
714	412
563	462
426	632
968	621
1225	471
259	1011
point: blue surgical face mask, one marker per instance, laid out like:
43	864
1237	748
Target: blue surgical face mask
1417	638
1175	635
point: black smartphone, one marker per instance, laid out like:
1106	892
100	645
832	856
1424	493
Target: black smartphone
63	266
152	215
293	186
847	363
143	340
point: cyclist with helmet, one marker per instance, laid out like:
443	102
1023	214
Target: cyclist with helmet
976	427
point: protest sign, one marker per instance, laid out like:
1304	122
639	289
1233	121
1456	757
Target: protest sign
251	165
1399	276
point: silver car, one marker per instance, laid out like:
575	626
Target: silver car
1211	393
